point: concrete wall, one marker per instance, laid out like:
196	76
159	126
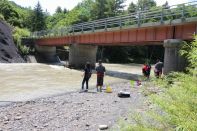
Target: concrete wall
46	53
172	59
80	54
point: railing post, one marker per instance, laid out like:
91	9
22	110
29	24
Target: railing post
82	28
139	19
93	27
31	34
62	31
162	15
67	30
183	13
105	24
43	33
49	33
120	22
130	17
73	29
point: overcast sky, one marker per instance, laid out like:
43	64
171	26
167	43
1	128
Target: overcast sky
51	5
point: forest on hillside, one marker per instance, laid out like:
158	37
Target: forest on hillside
26	20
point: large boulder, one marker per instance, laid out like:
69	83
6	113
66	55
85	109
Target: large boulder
8	51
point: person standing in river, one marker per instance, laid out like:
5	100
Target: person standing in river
100	71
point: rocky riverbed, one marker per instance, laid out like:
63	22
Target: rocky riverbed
72	111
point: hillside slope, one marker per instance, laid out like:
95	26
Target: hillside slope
8	50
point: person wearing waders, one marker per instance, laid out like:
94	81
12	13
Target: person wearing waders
158	68
100	70
87	74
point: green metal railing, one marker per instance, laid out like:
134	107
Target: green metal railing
181	11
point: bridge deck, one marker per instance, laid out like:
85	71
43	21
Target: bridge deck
176	22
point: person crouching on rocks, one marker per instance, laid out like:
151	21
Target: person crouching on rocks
146	70
87	74
100	70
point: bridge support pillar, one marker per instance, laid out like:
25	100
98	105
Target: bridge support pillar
172	59
80	54
46	53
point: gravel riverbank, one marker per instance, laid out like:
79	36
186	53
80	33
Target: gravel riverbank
72	111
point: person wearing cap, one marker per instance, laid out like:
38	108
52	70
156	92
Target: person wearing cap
158	68
87	74
100	70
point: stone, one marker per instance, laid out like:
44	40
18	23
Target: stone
5	122
6	118
87	124
45	125
18	118
103	127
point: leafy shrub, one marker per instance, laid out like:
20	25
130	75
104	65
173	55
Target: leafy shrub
1	17
18	33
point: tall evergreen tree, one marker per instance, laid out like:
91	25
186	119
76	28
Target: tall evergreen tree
145	4
114	7
132	8
38	19
99	9
9	13
166	5
58	10
65	11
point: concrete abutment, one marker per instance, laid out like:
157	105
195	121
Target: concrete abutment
172	59
80	54
46	53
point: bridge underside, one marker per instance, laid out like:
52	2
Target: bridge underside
135	36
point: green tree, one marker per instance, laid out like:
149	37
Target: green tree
114	7
9	13
85	9
58	10
166	5
51	21
65	11
132	8
38	19
145	4
99	9
81	13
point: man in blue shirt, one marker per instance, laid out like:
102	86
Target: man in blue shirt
100	70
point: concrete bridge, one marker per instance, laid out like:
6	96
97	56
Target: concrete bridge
165	26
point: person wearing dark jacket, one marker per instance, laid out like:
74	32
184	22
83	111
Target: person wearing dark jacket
87	74
158	68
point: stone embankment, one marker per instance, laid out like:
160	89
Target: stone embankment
8	51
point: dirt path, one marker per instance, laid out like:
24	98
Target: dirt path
71	111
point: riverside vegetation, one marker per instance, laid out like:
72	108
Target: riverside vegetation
176	102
